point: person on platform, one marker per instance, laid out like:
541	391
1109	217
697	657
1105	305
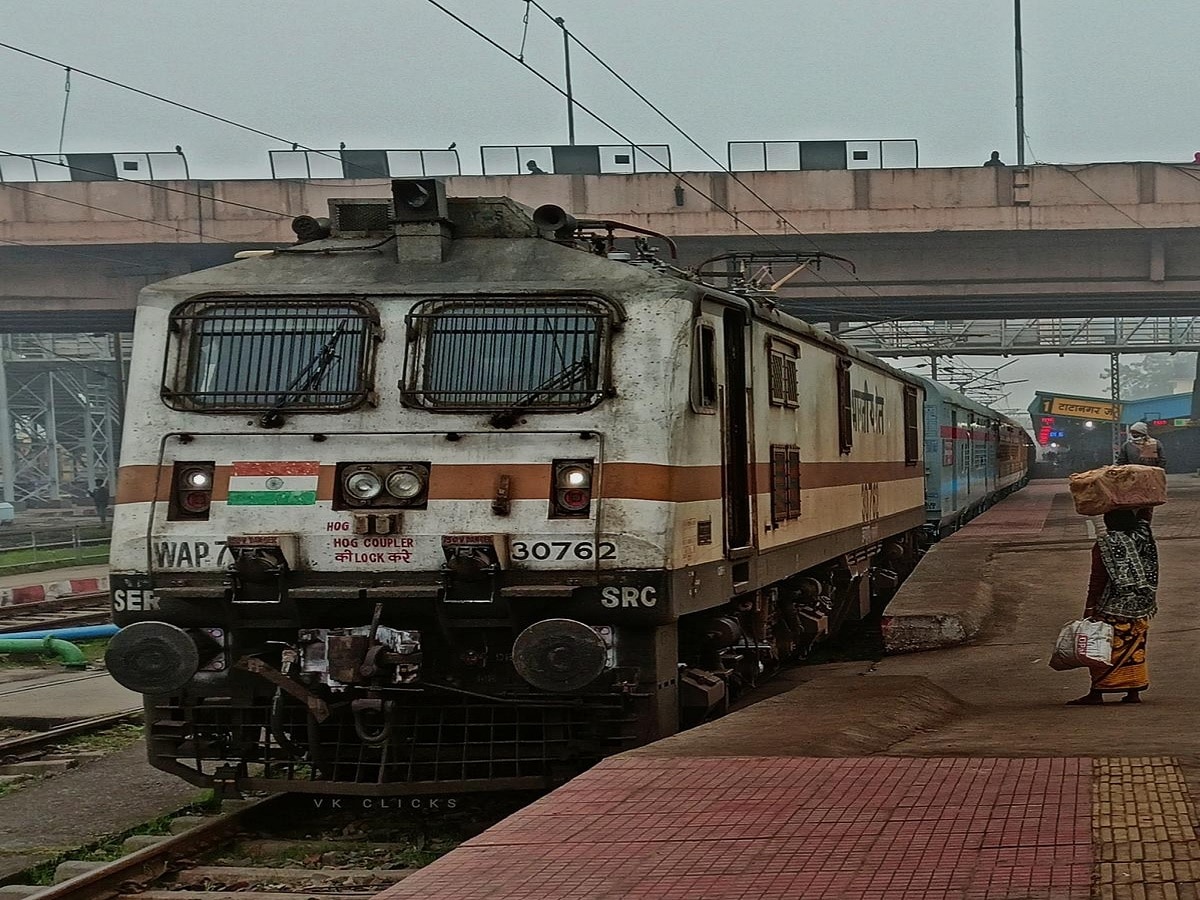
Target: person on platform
534	168
99	495
1121	592
1141	449
995	160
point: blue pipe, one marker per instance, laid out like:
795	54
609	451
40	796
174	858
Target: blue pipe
81	633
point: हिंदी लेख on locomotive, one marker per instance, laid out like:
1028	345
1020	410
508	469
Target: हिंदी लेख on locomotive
445	498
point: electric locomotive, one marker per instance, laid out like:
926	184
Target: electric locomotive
445	497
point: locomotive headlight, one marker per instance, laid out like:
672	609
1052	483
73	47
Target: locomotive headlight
382	484
363	485
191	491
576	477
197	479
405	484
571	490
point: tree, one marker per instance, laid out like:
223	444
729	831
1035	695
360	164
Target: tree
1155	375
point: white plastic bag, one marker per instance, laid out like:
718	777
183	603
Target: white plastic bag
1083	643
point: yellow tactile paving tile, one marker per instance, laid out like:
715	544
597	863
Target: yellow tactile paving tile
1144	831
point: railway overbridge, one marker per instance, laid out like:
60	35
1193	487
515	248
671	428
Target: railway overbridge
1100	258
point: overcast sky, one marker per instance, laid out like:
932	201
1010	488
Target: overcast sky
1104	80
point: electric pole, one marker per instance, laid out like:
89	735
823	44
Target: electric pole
567	61
1020	85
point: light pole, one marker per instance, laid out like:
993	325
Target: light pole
567	61
1020	85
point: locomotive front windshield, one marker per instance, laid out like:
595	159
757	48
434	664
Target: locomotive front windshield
264	354
495	355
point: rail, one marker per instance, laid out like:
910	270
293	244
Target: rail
25	743
91	608
143	866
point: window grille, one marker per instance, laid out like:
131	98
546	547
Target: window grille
845	412
912	444
254	354
781	373
785	482
504	354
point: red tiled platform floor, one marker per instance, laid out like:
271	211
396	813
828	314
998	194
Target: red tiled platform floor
1024	514
711	829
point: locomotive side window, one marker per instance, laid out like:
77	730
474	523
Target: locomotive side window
253	354
785	482
912	446
511	355
845	413
781	372
704	370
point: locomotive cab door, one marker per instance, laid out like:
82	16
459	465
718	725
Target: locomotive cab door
736	429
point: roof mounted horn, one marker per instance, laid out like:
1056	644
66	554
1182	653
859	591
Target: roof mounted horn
556	220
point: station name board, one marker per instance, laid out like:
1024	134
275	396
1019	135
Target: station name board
1084	409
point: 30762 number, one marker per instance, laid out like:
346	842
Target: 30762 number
585	551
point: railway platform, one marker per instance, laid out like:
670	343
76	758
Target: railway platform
949	773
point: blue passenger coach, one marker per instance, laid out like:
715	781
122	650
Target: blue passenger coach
973	457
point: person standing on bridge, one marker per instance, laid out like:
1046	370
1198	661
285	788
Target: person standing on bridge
1122	592
995	160
1141	449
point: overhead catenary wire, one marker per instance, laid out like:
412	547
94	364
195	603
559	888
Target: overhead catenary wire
722	166
519	58
70	251
161	99
624	137
150	185
62	128
1097	194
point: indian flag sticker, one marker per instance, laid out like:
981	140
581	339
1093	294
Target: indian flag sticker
274	484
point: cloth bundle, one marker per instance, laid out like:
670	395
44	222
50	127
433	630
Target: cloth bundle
1118	487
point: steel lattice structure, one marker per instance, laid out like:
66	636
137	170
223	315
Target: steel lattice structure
1011	337
61	405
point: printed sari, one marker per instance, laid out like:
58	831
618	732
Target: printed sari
1122	593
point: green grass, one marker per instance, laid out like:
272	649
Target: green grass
10	787
16	562
93	653
109	740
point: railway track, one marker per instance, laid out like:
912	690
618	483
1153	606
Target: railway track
203	858
27	746
65	612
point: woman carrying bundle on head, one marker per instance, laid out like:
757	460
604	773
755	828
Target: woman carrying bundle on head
1121	592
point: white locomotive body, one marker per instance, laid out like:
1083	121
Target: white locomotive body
434	503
